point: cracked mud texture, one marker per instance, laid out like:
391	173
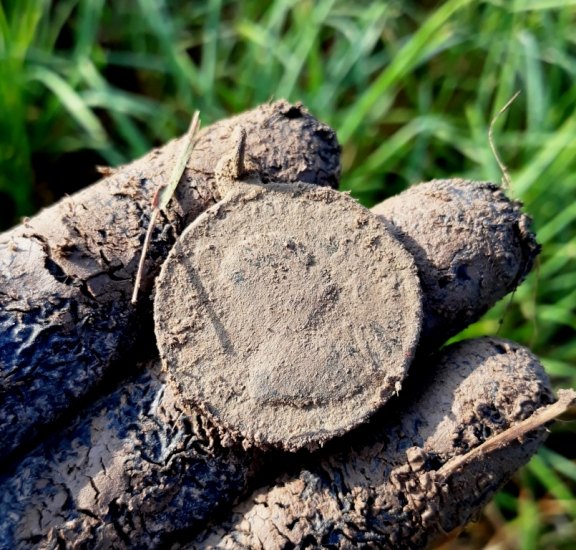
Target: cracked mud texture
67	274
133	472
472	245
288	314
389	484
136	471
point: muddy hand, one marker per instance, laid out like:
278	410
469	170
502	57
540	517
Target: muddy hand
287	319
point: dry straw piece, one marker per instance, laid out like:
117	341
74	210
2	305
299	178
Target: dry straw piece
288	313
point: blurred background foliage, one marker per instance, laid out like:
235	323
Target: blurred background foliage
410	87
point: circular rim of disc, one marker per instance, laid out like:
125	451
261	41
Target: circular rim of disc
287	313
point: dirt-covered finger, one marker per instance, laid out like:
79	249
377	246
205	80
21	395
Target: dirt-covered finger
133	472
472	244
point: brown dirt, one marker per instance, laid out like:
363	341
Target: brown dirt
287	313
472	246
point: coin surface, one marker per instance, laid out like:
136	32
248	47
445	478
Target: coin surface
288	314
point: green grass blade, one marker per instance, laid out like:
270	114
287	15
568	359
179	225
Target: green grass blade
432	36
541	469
535	5
72	101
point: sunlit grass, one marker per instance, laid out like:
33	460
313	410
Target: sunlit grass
411	88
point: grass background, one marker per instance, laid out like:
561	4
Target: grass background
410	87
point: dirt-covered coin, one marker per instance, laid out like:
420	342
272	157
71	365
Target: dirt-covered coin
288	314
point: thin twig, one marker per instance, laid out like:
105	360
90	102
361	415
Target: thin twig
167	191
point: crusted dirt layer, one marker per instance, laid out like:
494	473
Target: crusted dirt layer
133	472
67	274
389	484
472	245
288	314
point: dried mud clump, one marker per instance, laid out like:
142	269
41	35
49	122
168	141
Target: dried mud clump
268	314
472	246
